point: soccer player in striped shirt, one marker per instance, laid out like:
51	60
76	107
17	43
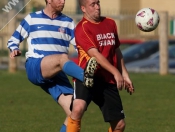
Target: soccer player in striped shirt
49	33
96	36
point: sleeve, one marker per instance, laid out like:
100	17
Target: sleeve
20	34
116	36
84	37
72	41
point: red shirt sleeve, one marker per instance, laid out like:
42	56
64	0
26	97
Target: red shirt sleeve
84	37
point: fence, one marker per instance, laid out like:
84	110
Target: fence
125	22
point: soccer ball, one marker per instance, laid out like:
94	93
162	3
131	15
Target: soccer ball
147	19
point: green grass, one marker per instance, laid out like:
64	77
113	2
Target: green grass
26	108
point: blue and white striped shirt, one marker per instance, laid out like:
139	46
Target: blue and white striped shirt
45	36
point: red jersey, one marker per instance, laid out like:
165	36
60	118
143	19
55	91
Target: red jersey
102	36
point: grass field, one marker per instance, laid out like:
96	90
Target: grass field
26	108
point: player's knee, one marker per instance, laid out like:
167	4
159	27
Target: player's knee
63	58
78	110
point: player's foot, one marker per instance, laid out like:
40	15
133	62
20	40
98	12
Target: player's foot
89	72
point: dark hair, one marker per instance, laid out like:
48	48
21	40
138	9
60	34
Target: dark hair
46	2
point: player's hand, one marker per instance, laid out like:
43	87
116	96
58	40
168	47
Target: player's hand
128	85
15	53
120	81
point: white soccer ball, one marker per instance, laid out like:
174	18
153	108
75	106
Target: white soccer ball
147	19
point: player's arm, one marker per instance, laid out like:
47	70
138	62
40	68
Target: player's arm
18	36
121	66
93	52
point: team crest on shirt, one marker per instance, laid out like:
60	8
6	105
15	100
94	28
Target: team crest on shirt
62	29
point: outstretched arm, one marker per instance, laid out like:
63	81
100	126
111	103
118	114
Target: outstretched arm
18	36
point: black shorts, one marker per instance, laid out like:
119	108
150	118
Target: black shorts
105	95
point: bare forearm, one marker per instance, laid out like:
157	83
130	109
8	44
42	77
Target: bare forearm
121	64
123	67
103	62
110	68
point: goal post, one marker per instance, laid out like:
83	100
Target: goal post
163	43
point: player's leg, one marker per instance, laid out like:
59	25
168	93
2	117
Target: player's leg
52	64
117	126
80	102
58	87
117	122
65	101
106	96
74	121
61	91
63	128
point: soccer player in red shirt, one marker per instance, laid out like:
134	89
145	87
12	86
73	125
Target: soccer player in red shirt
96	36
